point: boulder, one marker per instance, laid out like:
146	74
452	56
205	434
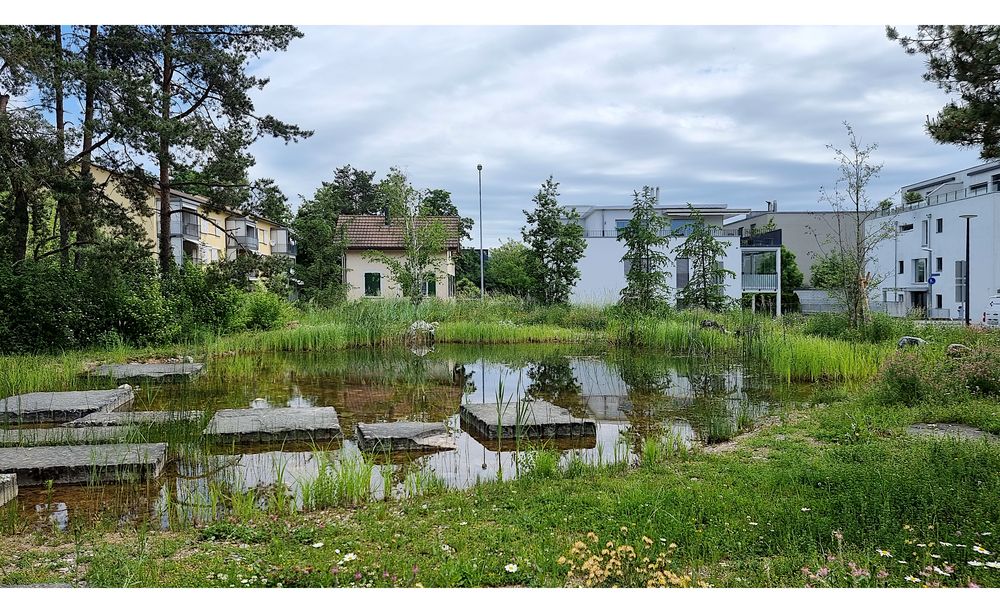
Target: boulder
910	341
957	350
421	333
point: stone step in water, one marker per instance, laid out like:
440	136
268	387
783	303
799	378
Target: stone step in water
539	419
8	488
35	437
395	436
132	418
84	463
149	371
271	425
40	407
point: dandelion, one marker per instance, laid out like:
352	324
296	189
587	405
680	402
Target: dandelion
911	579
317	545
975	563
884	553
979	549
511	568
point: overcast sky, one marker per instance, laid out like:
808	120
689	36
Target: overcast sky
734	115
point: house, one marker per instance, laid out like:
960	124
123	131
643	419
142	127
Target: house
922	266
201	232
602	271
808	235
367	279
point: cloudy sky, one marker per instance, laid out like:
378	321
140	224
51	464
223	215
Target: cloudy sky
736	115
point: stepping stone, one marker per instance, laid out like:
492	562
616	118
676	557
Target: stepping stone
84	463
540	419
131	418
394	436
39	407
149	371
8	488
34	437
267	425
959	431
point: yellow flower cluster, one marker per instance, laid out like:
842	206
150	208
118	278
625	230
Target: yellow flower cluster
622	566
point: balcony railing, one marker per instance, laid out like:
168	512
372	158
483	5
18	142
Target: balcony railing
613	233
760	282
287	249
935	199
248	242
186	225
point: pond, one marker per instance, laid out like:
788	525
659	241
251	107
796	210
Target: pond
631	395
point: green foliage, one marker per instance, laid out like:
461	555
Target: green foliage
508	271
706	284
437	203
646	237
262	310
830	271
556	241
912	197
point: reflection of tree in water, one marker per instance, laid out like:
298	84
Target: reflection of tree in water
552	380
647	380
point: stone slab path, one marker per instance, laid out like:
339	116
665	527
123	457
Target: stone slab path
35	437
131	418
539	419
269	425
394	436
40	407
84	463
149	371
959	431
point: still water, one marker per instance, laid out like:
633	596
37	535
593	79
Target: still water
631	395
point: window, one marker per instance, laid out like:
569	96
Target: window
373	284
979	188
619	225
995	179
683	272
938	264
938	301
643	262
905	227
940	225
429	287
683	226
925	235
960	281
920	270
900	267
451	286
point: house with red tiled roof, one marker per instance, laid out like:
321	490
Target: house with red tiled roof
367	279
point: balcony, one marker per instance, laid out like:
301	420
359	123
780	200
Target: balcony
248	242
186	225
760	282
286	249
942	198
613	233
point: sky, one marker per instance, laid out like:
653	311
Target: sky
710	114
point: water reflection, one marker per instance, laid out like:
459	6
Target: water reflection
631	395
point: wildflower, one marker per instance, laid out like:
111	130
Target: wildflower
935	556
979	549
944	544
911	579
975	563
511	568
561	560
335	570
753	523
592	536
921	544
823	572
357	576
317	545
973	584
941	572
884	553
806	509
882	574
901	561
445	547
624	530
993	564
463	523
985	533
350	557
648	541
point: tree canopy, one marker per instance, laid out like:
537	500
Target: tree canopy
555	238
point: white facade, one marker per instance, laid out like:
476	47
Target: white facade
929	240
602	271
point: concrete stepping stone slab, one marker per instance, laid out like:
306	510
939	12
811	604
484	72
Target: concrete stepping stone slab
959	431
84	463
539	419
40	407
8	488
149	371
270	424
35	437
131	418
395	436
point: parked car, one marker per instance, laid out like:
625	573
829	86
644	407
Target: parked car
991	316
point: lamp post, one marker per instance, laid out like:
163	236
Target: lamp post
482	276
968	277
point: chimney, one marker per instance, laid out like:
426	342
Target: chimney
774	206
385	214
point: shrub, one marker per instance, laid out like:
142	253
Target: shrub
262	310
979	372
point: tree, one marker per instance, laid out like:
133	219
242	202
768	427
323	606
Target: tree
646	237
319	264
352	192
854	240
704	252
828	272
555	238
424	239
437	203
963	60
791	277
508	270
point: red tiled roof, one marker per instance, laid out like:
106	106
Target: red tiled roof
371	231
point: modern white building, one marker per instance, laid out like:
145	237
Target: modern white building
922	265
602	271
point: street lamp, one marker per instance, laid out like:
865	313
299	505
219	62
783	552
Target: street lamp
482	276
968	277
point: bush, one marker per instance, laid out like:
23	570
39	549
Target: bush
263	310
924	375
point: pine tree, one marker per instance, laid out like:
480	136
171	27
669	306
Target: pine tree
555	238
706	284
646	237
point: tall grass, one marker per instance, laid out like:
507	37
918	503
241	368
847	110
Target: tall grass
345	482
